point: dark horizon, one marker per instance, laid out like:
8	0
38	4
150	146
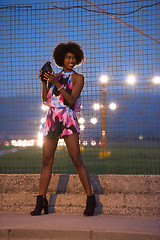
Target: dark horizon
20	116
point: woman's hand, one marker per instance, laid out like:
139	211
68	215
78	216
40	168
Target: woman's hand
51	77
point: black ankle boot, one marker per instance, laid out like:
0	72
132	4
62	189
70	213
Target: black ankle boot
90	207
41	203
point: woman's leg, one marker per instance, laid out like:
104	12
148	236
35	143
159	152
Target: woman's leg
72	142
49	148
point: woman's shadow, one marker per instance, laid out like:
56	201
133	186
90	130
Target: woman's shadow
62	187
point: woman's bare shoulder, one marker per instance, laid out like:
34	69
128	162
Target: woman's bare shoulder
78	76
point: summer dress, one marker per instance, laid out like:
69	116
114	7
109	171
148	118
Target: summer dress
61	119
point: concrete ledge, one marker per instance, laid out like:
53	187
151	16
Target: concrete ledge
25	234
69	227
115	194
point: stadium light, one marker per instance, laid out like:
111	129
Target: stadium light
131	79
96	106
156	80
103	152
81	120
112	106
40	140
44	107
82	127
42	120
104	79
94	120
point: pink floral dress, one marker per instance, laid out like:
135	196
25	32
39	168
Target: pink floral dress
61	119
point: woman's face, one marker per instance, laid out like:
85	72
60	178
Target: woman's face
69	62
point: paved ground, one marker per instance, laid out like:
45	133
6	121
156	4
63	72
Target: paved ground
71	227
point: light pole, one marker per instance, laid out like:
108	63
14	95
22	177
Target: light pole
81	121
103	152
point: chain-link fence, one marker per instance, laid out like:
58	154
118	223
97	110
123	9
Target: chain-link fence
120	117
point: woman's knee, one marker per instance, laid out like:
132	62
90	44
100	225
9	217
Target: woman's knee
47	160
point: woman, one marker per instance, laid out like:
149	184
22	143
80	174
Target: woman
62	95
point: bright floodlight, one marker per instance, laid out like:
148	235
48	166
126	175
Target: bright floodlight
82	127
61	142
156	80
104	79
81	120
40	140
96	106
131	80
44	107
42	120
112	106
93	120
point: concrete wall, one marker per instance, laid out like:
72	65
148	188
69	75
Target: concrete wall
115	194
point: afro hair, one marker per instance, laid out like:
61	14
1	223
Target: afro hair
62	49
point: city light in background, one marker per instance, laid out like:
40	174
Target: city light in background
85	143
93	143
23	143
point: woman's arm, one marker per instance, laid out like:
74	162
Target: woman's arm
78	84
44	91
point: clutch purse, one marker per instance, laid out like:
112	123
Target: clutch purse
46	68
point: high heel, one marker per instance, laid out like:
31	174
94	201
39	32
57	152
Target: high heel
90	206
45	205
41	203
